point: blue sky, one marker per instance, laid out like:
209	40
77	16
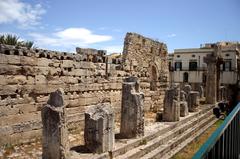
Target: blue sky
64	24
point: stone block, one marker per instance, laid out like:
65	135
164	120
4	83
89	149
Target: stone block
183	109
171	107
132	114
99	128
193	101
55	134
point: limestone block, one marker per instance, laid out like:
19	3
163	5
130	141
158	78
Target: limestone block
41	71
132	113
183	96
55	134
193	101
40	79
187	88
3	59
183	109
99	128
10	69
67	64
3	80
43	62
201	91
13	59
171	107
28	61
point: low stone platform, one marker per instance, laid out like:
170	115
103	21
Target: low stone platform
159	136
161	140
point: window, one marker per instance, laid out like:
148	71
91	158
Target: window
192	66
227	65
178	56
178	66
193	55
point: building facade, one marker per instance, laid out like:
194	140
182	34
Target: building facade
188	66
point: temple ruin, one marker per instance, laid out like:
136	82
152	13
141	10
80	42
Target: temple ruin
94	105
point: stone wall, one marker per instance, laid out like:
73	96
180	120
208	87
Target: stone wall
27	77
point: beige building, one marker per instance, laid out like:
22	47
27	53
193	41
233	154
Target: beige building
187	65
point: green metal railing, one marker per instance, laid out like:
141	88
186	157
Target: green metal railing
224	143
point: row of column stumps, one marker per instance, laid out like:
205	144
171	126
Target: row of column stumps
179	103
99	133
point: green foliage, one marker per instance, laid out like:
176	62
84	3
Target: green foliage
9	39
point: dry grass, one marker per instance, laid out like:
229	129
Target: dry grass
193	147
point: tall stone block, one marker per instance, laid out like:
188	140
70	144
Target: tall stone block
193	101
99	128
187	88
55	134
132	113
183	109
171	109
213	62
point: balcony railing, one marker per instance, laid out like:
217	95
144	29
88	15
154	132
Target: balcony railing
198	69
224	143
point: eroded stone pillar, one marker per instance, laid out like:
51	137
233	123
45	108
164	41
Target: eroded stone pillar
183	109
132	113
187	88
193	101
99	128
55	134
201	91
213	62
171	107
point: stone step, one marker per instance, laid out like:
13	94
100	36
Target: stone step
164	138
189	140
161	152
138	142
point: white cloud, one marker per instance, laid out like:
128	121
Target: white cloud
69	38
171	35
114	49
26	15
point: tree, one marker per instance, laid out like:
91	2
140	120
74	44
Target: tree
14	40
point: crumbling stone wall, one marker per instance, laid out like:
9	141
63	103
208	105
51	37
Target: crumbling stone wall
147	59
27	77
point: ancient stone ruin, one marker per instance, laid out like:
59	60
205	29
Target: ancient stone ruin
104	96
28	76
193	101
132	114
55	134
99	128
213	75
171	109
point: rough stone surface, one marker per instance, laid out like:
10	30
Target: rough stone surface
201	91
213	62
193	101
187	88
183	109
28	76
171	109
132	113
55	134
99	128
183	96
